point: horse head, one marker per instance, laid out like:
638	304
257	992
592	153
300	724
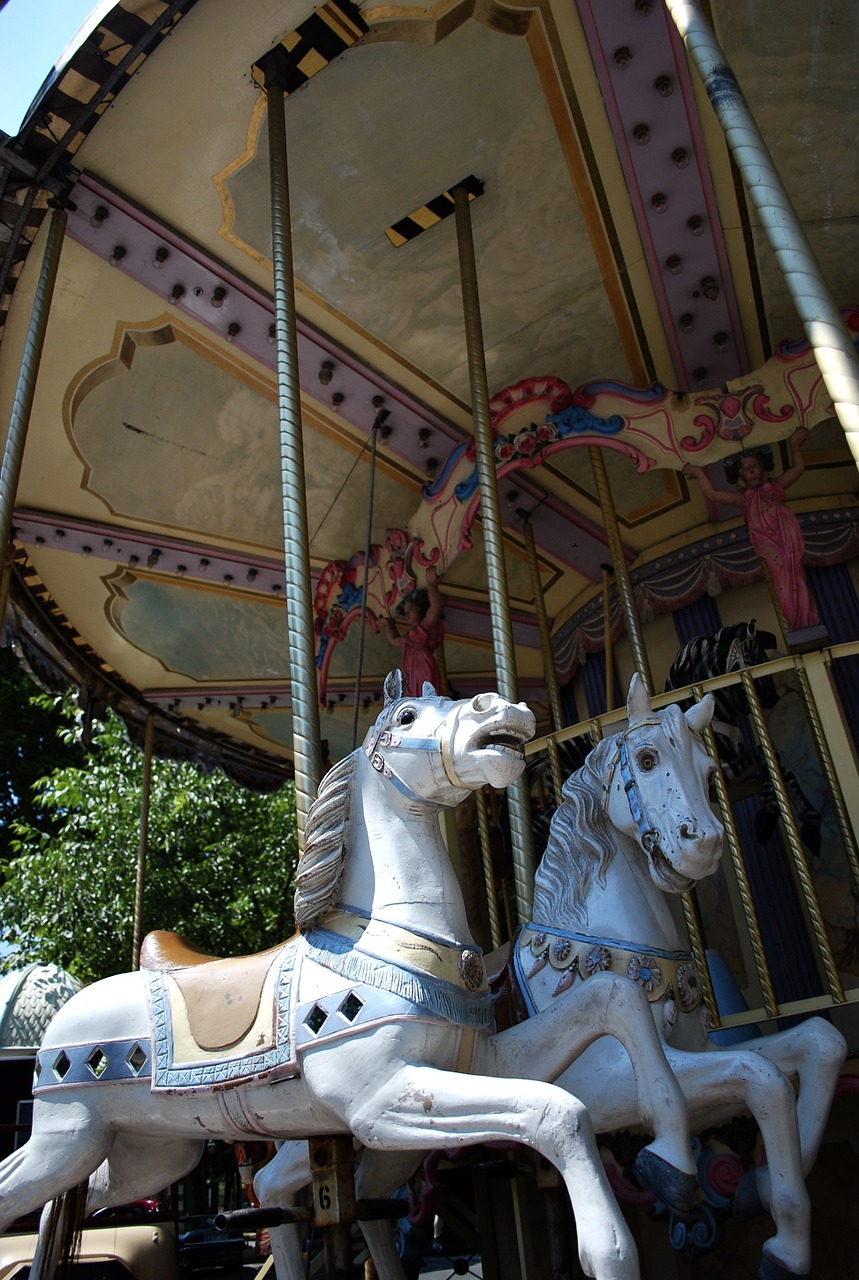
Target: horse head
657	790
432	748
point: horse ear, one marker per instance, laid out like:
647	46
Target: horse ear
700	713
393	686
428	690
638	700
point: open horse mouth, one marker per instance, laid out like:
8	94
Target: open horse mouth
665	875
506	737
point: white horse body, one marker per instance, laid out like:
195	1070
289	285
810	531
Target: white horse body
374	881
621	841
616	898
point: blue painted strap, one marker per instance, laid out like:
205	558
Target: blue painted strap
106	1061
649	835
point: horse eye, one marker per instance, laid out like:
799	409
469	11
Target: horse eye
407	716
646	761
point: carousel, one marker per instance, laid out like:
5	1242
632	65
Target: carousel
454	408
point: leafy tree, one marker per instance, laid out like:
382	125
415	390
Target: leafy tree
30	746
220	863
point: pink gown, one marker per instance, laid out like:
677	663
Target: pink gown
419	662
775	534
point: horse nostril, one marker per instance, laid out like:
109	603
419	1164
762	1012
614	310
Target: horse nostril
689	830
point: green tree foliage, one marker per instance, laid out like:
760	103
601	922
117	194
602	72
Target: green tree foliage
30	746
220	865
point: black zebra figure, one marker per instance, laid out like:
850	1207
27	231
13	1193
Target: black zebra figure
731	649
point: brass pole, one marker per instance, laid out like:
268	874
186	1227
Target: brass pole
518	803
832	345
696	940
143	842
739	864
621	572
609	650
793	839
827	764
553	691
296	542
488	869
22	408
380	417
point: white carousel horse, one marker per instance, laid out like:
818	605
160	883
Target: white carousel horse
362	1024
600	901
634	825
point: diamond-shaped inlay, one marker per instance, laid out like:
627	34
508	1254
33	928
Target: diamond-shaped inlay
61	1065
37	1071
315	1020
136	1059
97	1062
351	1007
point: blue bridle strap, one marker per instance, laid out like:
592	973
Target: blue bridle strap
386	738
649	836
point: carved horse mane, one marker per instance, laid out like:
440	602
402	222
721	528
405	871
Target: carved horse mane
320	867
581	841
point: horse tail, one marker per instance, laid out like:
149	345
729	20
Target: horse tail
60	1234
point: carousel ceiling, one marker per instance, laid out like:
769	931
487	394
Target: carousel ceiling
614	245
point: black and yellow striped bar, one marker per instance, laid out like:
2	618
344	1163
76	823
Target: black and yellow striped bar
431	213
327	33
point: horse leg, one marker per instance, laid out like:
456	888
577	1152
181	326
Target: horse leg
749	1080
415	1107
275	1186
55	1159
378	1175
609	1004
812	1053
139	1166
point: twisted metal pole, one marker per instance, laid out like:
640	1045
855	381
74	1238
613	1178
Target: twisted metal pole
380	417
518	802
794	842
821	318
553	691
22	407
143	841
621	571
306	734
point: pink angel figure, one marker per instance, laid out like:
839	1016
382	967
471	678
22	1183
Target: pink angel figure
421	611
774	530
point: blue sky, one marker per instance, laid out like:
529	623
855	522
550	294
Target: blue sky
33	35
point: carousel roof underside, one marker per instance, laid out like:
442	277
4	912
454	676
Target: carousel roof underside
615	245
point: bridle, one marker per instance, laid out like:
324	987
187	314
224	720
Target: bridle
650	836
441	745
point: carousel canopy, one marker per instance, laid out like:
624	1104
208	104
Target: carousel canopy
630	300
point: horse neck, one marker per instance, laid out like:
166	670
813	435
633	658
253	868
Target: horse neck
625	905
397	868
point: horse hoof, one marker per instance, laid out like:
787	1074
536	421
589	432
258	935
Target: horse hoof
670	1185
747	1202
772	1270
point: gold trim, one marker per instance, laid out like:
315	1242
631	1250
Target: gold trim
400	946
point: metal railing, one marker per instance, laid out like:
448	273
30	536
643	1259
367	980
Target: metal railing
831	744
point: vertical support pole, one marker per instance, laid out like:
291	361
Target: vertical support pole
621	572
609	647
741	875
553	691
143	842
803	875
519	807
306	733
22	407
821	319
380	417
332	1165
488	869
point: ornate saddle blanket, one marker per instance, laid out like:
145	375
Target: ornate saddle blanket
224	1022
217	1024
566	957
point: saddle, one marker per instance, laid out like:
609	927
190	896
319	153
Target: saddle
222	997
